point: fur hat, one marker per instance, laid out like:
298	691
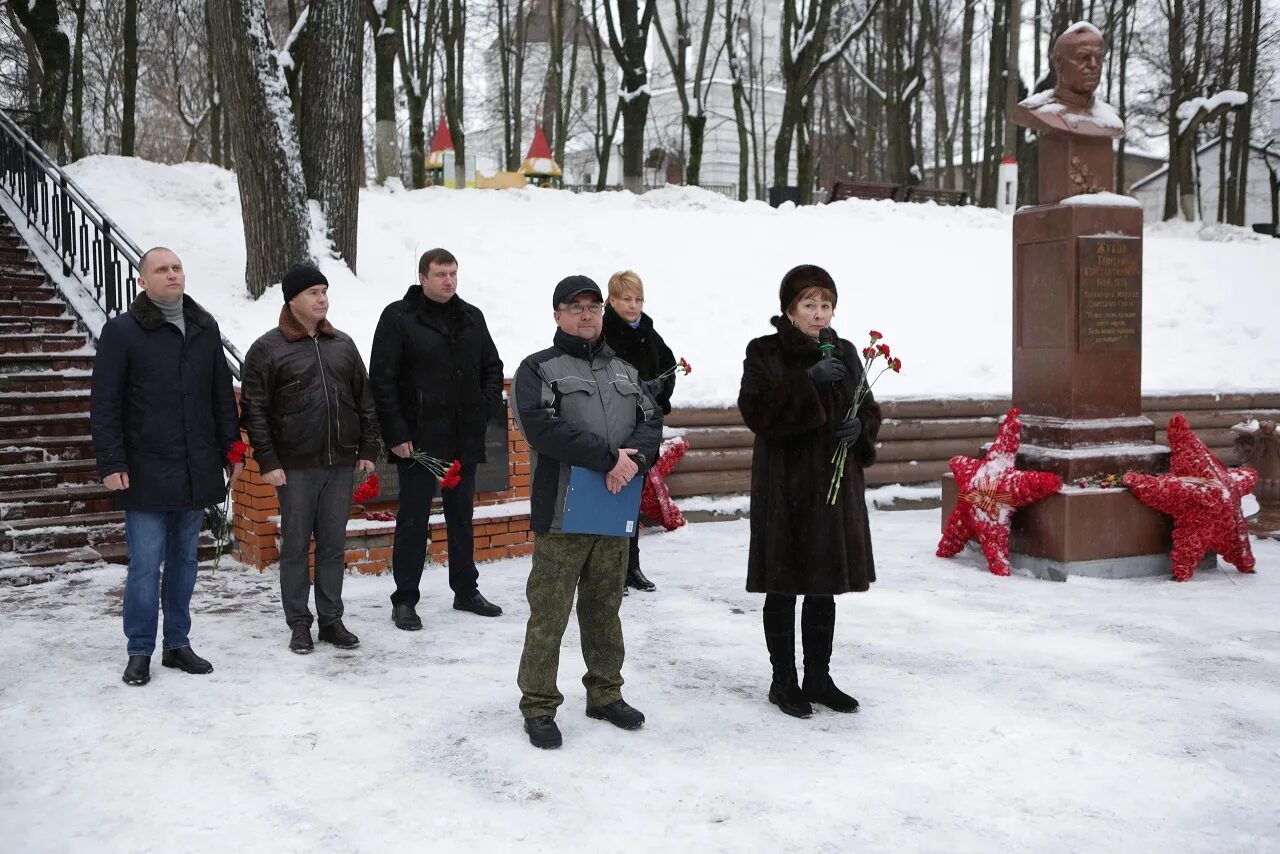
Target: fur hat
801	277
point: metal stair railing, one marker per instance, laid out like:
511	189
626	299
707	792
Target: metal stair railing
91	246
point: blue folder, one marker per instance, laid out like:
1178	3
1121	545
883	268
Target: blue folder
590	508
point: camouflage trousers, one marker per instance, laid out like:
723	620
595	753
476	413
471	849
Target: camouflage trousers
596	567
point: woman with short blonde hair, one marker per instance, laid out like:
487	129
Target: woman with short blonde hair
630	334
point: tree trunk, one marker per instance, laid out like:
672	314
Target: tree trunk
331	88
129	103
993	128
40	17
453	20
77	86
1177	74
386	44
966	96
265	144
1250	26
628	39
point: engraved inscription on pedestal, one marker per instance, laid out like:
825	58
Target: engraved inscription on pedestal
1110	294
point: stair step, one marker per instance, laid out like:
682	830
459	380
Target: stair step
40	342
44	426
29	293
25	536
45	474
14	254
29	309
41	448
37	567
43	403
57	501
21	324
42	381
11	363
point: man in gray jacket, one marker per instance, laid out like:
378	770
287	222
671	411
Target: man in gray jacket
578	405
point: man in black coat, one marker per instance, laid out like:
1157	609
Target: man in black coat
307	406
163	419
437	381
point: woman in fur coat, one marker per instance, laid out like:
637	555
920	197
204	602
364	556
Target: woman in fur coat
795	399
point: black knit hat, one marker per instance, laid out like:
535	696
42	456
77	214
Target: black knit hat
570	286
801	277
299	277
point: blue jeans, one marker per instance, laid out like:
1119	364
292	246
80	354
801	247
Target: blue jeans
155	537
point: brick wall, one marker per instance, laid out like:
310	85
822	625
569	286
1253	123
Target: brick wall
497	534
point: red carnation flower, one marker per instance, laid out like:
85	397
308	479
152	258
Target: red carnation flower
875	336
237	452
366	491
868	352
453	476
896	363
884	350
684	363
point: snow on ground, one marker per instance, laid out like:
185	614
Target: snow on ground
998	715
935	280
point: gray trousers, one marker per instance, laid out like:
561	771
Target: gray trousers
314	502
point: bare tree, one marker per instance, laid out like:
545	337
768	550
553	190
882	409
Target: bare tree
40	18
386	46
691	86
453	23
419	28
629	39
607	111
130	87
805	56
272	194
331	95
513	27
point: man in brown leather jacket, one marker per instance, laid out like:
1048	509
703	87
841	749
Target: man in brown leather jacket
307	406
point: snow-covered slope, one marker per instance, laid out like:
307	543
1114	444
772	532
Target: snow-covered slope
936	281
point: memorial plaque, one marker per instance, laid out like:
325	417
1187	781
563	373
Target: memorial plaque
1109	296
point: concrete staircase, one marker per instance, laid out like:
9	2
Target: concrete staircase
55	514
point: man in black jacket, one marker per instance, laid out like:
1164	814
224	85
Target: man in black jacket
437	380
163	417
307	406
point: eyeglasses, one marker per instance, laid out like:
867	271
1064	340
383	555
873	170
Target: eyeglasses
580	307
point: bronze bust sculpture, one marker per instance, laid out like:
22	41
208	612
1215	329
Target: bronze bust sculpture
1071	107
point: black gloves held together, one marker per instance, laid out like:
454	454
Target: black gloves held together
848	432
827	371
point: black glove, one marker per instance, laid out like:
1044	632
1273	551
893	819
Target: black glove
827	371
848	432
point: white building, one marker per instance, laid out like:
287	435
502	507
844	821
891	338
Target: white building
1150	190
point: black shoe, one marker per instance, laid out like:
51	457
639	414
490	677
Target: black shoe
337	634
185	660
617	713
543	732
300	642
786	695
405	617
476	604
636	579
138	670
824	691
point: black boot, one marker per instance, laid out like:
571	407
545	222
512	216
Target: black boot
817	632
337	634
301	642
618	713
780	638
138	670
636	579
185	659
405	617
543	732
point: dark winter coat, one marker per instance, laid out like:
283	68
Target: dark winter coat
437	378
162	408
576	404
799	543
307	402
644	348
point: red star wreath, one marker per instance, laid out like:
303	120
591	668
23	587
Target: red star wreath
990	490
1203	497
655	500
